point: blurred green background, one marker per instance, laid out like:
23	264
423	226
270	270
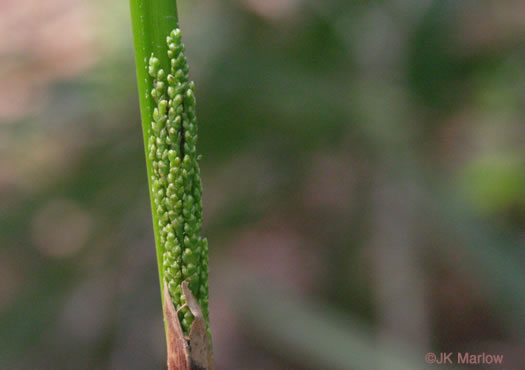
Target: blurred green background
363	172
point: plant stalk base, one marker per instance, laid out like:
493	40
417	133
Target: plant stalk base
192	352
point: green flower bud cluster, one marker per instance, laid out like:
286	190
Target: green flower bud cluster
176	181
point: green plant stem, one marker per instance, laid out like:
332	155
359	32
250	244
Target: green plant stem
167	102
152	21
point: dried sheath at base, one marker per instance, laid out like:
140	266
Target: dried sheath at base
187	353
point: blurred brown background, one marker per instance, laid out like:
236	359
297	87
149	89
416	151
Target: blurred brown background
363	174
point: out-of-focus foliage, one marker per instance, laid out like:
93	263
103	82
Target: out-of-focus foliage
366	156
